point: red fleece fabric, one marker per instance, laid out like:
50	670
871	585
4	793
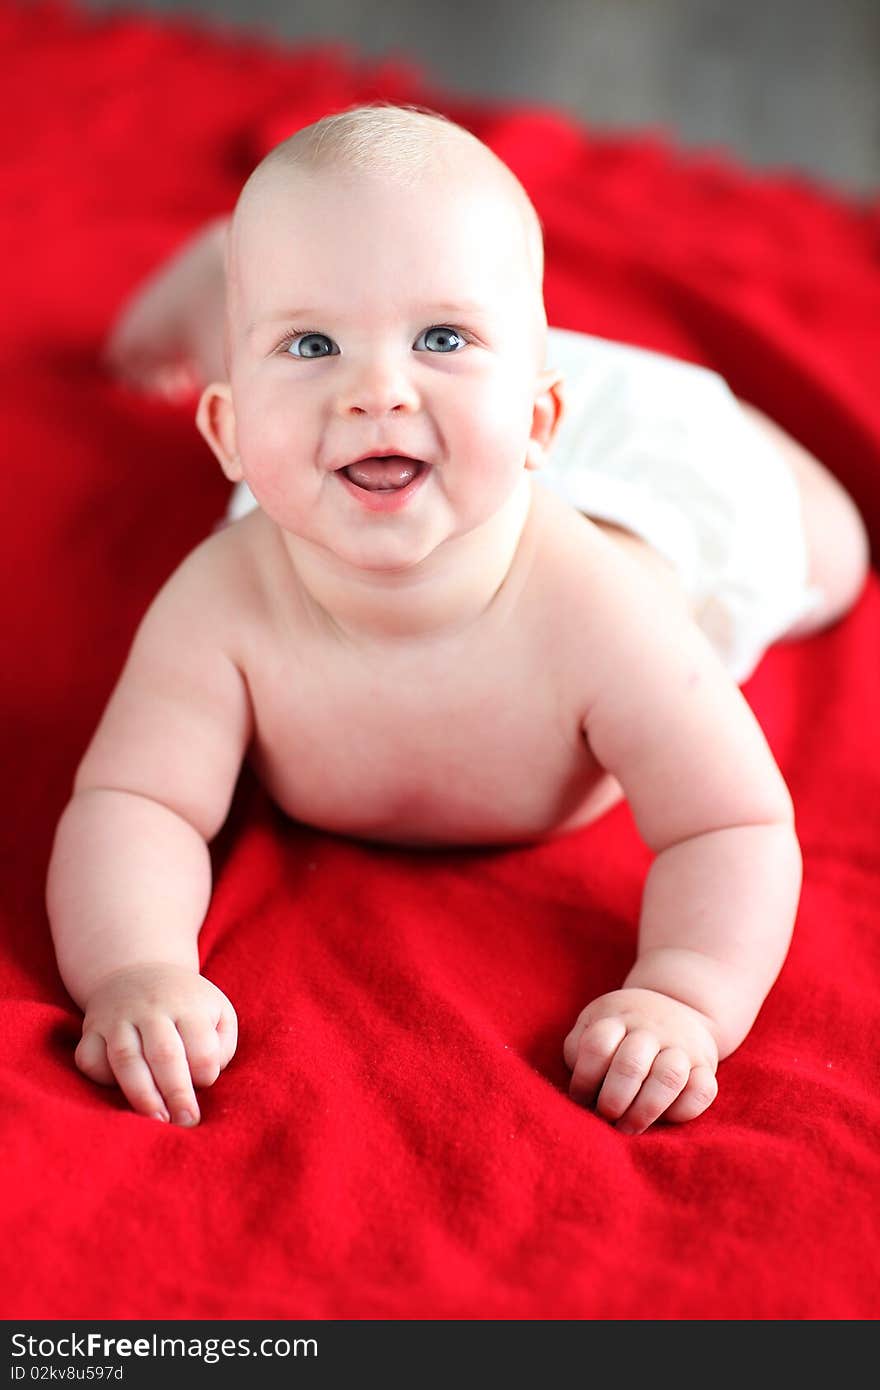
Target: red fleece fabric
394	1139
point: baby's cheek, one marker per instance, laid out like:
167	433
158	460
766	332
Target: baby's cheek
271	453
265	434
510	402
502	436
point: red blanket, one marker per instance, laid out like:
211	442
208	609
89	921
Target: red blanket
394	1139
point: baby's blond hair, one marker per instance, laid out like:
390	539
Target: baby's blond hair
397	143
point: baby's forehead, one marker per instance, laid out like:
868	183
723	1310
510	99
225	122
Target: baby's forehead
291	211
453	184
458	230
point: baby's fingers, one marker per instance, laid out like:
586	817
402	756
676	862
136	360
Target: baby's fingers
666	1080
126	1060
697	1096
210	1041
118	1061
202	1047
589	1053
227	1033
91	1058
165	1053
630	1066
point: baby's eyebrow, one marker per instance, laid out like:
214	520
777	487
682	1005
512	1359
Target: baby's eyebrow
458	309
284	316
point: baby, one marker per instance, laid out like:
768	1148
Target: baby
414	643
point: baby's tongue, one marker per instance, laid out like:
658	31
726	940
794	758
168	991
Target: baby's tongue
378	473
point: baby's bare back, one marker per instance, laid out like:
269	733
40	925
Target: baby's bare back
472	738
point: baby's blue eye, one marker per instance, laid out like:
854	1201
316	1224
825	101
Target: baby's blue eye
439	339
312	345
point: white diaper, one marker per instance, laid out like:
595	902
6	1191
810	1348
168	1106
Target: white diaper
662	448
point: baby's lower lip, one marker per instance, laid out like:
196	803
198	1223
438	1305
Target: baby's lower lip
385	499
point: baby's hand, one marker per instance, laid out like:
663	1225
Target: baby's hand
636	1055
156	1031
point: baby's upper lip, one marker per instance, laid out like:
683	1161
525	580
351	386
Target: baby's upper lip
382	451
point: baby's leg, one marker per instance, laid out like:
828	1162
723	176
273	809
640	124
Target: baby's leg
837	540
168	338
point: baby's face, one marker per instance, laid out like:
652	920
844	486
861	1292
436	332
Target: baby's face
370	320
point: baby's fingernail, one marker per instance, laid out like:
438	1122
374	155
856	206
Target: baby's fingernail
185	1117
626	1129
163	1116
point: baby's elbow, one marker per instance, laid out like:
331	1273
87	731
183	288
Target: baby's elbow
761	795
778	806
204	814
774	810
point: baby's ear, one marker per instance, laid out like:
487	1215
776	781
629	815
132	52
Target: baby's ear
215	418
547	413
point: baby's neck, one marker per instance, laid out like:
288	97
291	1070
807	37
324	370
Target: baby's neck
449	592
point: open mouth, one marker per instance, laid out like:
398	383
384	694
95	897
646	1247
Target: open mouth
384	472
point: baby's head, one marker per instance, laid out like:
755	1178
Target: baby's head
384	297
406	153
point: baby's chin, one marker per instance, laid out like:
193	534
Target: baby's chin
372	555
378	558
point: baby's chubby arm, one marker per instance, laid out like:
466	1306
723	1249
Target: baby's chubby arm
721	896
129	879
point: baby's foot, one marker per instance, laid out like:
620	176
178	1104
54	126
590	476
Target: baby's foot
168	338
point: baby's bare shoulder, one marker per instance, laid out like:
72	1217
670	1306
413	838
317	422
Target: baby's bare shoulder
603	596
583	571
217	585
660	710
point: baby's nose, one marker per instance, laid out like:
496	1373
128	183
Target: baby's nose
377	387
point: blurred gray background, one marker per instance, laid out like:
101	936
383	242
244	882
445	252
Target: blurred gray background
782	84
